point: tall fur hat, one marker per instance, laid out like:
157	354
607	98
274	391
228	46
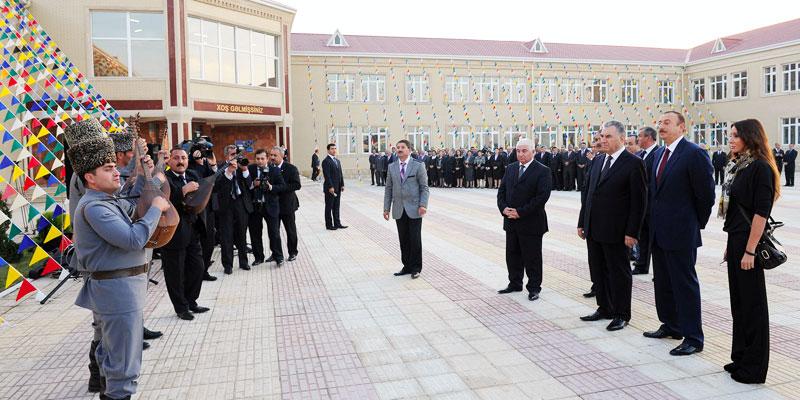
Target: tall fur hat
123	141
89	146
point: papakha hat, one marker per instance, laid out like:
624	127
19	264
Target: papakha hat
89	146
123	141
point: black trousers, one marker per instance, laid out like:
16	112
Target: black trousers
332	203
581	176
208	240
314	173
256	226
789	175
750	347
409	230
232	229
524	256
183	274
569	179
643	262
557	180
613	278
380	179
290	226
372	174
592	271
719	176
677	292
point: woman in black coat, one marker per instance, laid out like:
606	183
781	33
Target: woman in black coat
751	186
458	169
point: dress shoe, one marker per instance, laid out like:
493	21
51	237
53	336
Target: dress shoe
401	273
730	367
331	228
198	309
341	227
145	345
270	259
533	296
186	316
685	349
256	262
595	316
150	335
617	324
741	378
415	275
292	257
228	271
209	277
662	333
245	267
509	290
639	270
590	294
279	263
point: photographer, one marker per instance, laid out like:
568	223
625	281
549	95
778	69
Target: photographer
233	197
267	183
203	162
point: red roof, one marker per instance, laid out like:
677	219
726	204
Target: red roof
433	47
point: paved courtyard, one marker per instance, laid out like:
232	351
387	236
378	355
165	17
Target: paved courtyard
336	324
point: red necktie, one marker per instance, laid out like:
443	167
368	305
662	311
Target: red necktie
662	165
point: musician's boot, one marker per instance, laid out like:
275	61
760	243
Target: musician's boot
96	381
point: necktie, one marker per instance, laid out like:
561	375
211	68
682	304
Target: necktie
606	167
521	171
402	172
662	165
234	187
183	179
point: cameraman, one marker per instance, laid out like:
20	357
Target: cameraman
203	162
233	197
267	184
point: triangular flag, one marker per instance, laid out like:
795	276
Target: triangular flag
64	274
26	244
51	266
54	233
48	202
42	172
3	219
3	262
22	154
33	140
65	242
26	288
65	224
38	255
37	192
17	173
60	189
32	212
29	183
8	192
13	231
5	163
12	276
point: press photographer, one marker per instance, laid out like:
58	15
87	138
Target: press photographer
267	184
203	162
232	190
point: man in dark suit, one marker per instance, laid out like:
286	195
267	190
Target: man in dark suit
593	158
333	186
372	158
499	163
568	171
647	142
521	199
315	165
789	159
288	200
266	185
392	157
381	162
581	163
778	153
205	167
681	190
610	221
233	196
719	160
556	168
182	256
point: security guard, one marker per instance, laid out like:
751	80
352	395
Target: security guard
110	247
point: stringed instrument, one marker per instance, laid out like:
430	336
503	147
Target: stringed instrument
152	188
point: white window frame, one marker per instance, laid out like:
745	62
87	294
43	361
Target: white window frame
420	138
459	134
596	91
129	41
631	130
487	136
486	89
417	89
380	133
770	79
699	134
630	91
514	90
699	90
572	133
791	77
719	87
571	90
545	90
790	130
540	131
346	134
373	84
338	83
739	83
666	91
718	131
457	89
512	135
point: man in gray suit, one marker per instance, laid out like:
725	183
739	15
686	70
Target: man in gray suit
406	196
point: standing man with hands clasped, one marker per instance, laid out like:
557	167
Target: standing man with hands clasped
521	198
406	197
333	185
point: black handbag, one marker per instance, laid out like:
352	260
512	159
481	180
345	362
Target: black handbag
769	251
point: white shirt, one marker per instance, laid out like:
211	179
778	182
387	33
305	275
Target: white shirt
614	157
671	151
649	150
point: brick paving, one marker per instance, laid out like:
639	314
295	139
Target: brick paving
335	323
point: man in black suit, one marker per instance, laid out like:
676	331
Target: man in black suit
266	182
719	160
288	200
381	162
372	158
315	165
556	168
499	163
204	167
521	199
789	159
593	157
610	221
581	163
333	186
233	196
568	171
182	256
647	143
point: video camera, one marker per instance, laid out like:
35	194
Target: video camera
240	158
202	144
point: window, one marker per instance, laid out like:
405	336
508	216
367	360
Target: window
631	130
373	88
457	89
630	91
459	137
545	90
545	135
229	54
345	139
770	79
341	87
417	89
739	80
699	90
420	138
719	133
374	139
128	44
791	77
791	130
514	91
512	135
719	87
488	136
596	91
666	92
699	134
571	90
486	90
570	135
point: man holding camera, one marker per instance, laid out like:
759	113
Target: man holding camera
267	183
203	162
233	196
